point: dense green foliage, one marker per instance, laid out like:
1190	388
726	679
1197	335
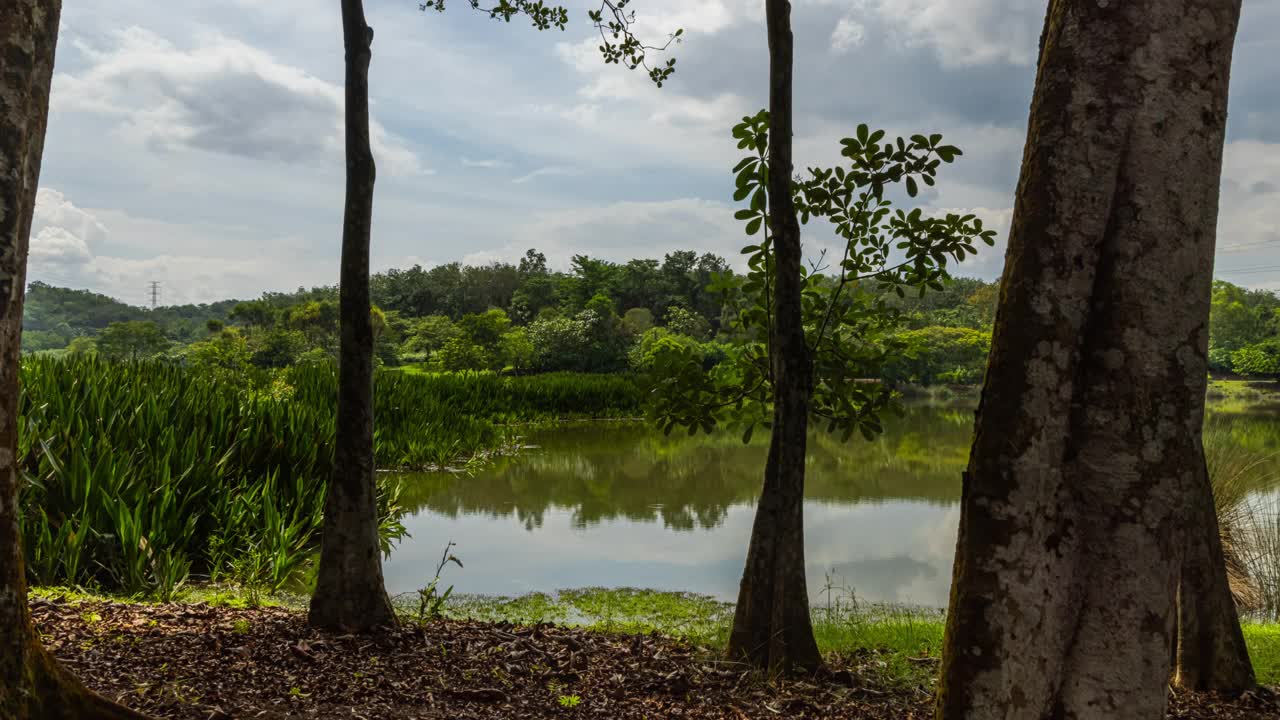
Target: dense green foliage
53	317
525	318
1244	331
140	473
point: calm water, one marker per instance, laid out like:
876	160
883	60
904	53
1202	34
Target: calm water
617	504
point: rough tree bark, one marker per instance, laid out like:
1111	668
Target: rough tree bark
1209	648
771	626
1087	439
32	685
350	592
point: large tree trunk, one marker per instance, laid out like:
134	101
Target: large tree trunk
1087	439
771	626
1210	653
350	592
32	684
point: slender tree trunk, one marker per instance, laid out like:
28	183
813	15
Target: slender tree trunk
350	592
32	685
1087	439
771	626
1210	653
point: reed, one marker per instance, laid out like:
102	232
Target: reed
140	475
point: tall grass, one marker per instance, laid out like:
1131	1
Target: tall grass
139	475
524	398
1245	483
1259	551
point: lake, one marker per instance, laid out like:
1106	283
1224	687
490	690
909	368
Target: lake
616	504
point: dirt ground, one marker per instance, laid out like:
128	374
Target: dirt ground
207	663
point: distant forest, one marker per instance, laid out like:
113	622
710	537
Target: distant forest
600	316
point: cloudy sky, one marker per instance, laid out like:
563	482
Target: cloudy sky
199	143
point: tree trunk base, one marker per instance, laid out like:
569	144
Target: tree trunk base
349	612
1209	649
47	691
783	647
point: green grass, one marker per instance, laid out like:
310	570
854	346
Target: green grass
1231	395
1264	649
530	398
900	643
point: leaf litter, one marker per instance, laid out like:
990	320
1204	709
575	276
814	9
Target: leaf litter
203	662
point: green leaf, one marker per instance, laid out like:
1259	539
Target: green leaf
912	189
746	435
744	214
948	153
753	227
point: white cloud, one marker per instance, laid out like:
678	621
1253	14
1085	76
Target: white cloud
848	34
220	96
68	244
625	230
487	164
53	208
1249	215
57	246
552	171
965	32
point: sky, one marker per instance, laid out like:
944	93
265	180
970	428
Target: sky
198	144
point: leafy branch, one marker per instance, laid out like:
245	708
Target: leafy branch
619	44
850	328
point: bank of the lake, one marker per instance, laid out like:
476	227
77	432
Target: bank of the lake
901	635
616	653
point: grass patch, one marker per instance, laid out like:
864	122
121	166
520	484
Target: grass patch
228	596
900	643
1239	394
1263	640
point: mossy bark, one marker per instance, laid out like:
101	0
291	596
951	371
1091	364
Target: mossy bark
32	684
350	593
1087	449
771	626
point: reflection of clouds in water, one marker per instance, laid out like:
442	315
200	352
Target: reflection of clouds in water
504	558
890	551
620	505
939	539
882	578
895	551
616	505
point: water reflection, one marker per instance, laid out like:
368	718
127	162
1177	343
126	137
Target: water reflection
618	504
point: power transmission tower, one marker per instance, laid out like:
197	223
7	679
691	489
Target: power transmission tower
155	293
